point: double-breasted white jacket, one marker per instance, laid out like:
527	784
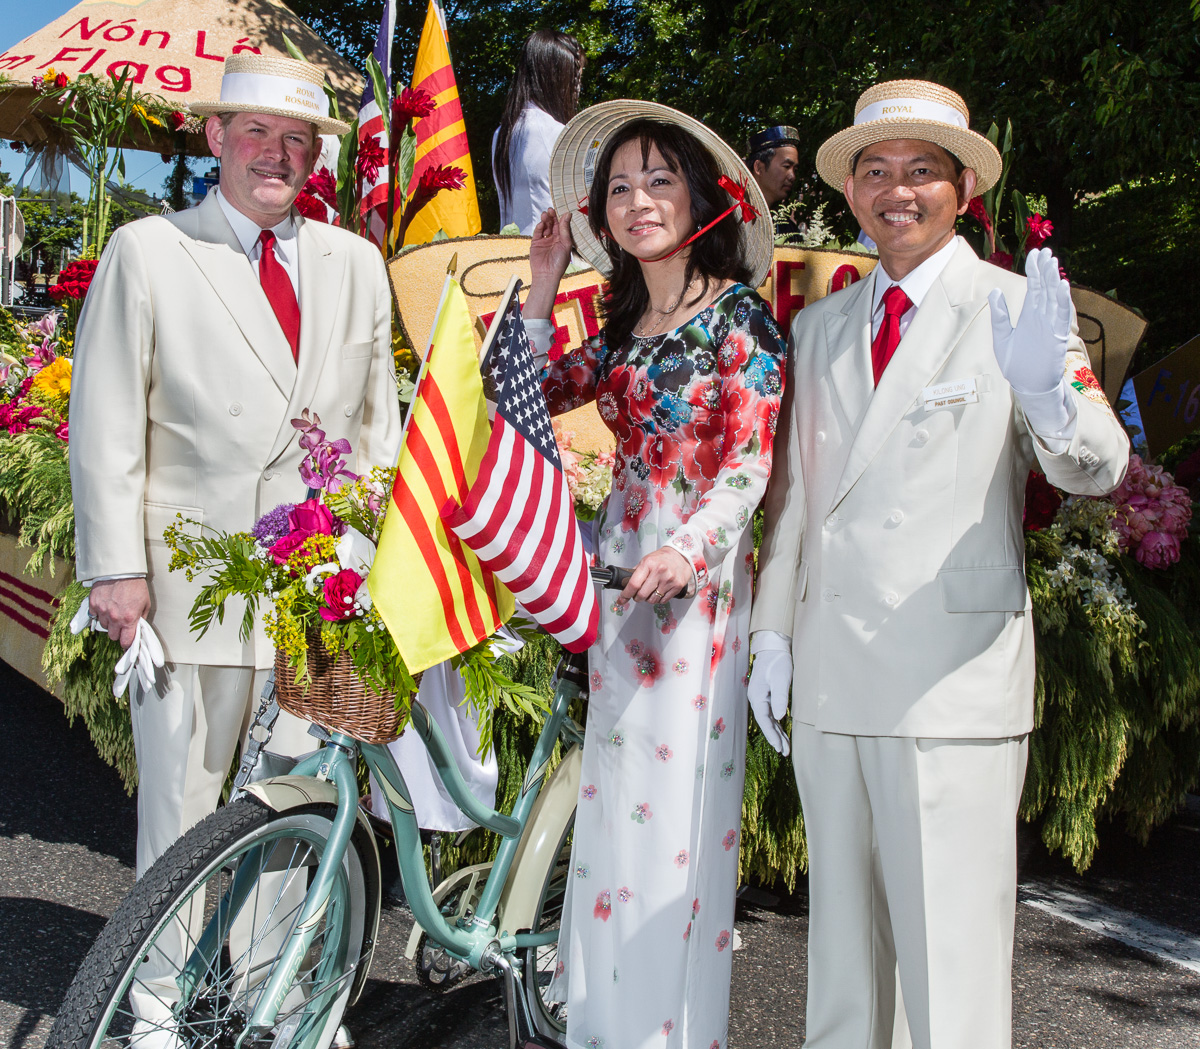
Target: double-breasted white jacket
894	551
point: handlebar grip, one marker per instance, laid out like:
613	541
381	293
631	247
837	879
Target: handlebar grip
612	577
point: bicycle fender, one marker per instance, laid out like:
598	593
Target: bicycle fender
536	854
291	792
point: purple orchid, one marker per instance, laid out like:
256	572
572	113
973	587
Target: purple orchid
324	465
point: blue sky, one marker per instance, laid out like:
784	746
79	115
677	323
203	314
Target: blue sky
21	18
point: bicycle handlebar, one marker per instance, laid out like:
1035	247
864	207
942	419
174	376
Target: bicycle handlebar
612	577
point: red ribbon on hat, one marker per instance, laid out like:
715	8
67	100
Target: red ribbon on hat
737	190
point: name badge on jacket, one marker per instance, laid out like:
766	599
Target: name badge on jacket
950	394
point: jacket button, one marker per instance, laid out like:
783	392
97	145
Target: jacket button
268	474
235	409
890	599
896	516
827	594
831	520
820	437
349	410
922	436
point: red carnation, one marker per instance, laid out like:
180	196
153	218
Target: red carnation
412	105
1038	231
310	207
321	183
371	157
177	120
1002	259
977	211
74	280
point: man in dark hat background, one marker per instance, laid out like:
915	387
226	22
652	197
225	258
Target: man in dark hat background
772	157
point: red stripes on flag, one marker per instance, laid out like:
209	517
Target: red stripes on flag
519	520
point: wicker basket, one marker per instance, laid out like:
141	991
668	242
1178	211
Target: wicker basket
334	697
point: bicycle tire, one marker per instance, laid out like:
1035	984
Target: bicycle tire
540	963
98	1008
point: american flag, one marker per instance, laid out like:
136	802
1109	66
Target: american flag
372	124
518	517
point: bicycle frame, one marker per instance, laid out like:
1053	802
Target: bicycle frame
474	938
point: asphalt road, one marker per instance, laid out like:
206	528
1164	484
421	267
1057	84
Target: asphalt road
66	859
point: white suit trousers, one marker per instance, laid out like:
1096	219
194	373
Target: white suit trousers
185	734
912	869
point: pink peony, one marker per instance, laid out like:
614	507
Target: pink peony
1157	550
339	595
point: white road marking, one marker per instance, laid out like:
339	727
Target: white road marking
1162	941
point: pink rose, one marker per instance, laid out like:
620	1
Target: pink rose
1157	550
339	595
283	548
312	518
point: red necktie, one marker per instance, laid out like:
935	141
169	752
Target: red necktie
279	291
895	302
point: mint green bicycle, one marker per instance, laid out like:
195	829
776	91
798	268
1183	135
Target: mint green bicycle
257	928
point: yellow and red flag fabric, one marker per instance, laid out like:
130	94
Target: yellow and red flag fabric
441	139
430	589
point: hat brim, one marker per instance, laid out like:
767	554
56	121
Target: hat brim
972	149
325	125
579	145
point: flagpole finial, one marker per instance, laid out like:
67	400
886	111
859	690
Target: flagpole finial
452	269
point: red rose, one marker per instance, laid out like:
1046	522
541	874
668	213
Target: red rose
60	80
339	595
1038	231
74	280
283	548
177	120
1042	501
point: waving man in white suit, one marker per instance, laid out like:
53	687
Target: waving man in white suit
203	334
892	597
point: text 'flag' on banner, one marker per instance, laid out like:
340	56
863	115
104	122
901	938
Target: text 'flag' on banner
430	588
518	516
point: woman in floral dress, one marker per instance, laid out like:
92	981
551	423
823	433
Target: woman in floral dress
688	375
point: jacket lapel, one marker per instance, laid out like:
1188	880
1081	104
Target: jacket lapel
848	344
220	258
322	272
939	324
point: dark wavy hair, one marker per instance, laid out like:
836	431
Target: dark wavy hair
548	74
715	257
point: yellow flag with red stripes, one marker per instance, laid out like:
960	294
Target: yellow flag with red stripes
441	139
429	588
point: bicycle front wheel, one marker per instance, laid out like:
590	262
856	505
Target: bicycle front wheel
186	956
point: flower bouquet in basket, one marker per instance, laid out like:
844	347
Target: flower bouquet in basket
306	564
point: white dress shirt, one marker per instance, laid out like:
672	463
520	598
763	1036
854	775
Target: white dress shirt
247	232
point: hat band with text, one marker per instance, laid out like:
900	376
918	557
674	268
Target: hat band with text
914	108
274	92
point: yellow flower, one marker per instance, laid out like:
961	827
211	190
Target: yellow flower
140	110
54	381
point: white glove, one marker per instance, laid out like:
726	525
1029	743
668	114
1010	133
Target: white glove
144	656
770	683
83	618
1033	353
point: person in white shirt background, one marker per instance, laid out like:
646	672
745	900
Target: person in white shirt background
543	96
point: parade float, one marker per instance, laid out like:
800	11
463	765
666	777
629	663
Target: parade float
1114	583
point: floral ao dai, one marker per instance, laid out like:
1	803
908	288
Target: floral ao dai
646	938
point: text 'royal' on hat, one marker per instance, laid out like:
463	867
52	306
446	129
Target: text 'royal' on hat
914	109
580	143
277	86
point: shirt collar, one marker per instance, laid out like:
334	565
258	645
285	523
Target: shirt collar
247	230
917	284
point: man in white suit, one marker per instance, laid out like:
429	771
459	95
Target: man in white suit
203	334
892	596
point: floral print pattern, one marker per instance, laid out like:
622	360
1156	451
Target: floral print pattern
693	413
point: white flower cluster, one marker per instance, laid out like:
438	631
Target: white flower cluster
1089	577
1090	521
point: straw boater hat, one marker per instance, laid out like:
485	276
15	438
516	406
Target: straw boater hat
910	109
281	87
580	144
